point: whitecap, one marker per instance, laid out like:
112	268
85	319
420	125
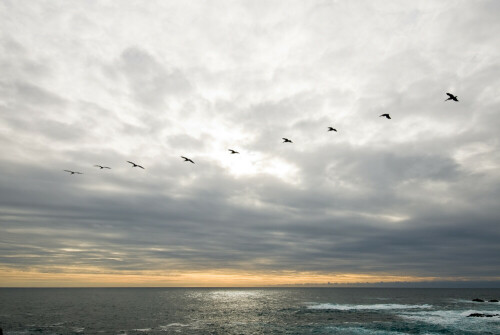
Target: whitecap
341	307
363	331
456	320
175	324
469	301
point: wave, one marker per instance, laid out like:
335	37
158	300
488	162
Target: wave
175	324
367	307
365	331
469	301
455	320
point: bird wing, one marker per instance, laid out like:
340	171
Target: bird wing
191	161
141	167
68	171
78	173
185	158
107	167
131	162
450	95
388	116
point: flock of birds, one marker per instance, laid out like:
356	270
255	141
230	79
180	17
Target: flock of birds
232	152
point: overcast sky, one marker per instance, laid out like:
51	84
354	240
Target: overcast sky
103	82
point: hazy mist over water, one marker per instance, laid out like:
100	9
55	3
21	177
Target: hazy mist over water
351	311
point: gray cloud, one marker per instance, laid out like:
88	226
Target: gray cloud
149	81
415	195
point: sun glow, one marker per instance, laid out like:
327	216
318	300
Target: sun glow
254	163
97	277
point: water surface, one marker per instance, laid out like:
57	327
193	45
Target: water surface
247	311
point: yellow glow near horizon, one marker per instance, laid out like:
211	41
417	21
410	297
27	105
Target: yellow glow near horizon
92	277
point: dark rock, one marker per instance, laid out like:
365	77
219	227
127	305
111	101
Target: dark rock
493	300
475	315
481	315
478	300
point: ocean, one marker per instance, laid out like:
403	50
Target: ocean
350	311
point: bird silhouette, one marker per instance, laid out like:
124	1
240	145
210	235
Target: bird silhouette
102	167
386	116
286	140
187	159
452	97
332	129
233	151
135	165
73	172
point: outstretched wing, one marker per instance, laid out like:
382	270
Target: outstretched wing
131	162
68	171
141	167
450	95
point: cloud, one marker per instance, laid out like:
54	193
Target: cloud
412	196
148	80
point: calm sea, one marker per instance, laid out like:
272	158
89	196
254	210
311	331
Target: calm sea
247	311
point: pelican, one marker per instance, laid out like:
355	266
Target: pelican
135	165
73	172
286	140
233	151
187	159
102	167
386	116
452	97
332	129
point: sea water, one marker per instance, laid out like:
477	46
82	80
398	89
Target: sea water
247	311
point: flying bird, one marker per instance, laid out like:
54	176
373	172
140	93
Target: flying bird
332	129
135	165
452	97
386	116
73	172
233	151
286	140
187	159
102	167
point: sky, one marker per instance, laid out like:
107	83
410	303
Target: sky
411	199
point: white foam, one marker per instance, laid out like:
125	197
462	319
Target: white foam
457	319
143	330
466	301
368	307
175	324
362	331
